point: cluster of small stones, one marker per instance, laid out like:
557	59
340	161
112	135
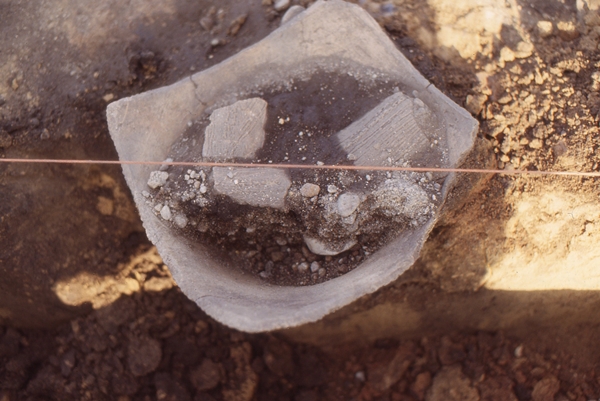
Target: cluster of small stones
331	215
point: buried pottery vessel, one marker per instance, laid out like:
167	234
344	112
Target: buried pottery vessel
331	66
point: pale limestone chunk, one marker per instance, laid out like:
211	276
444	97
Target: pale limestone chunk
390	129
236	130
263	187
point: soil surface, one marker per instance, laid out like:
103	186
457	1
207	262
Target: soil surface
157	345
528	71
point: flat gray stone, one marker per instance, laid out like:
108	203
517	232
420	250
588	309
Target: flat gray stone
390	130
261	186
236	130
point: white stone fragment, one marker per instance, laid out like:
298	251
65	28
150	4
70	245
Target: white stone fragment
281	5
323	248
263	187
309	190
181	221
391	127
158	179
347	203
165	212
236	130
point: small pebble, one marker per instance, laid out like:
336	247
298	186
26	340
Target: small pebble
281	5
165	213
519	351
309	190
360	376
332	189
322	272
203	189
145	194
303	267
314	267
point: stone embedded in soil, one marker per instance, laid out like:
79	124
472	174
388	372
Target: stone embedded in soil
262	187
325	248
545	389
347	204
236	130
143	355
390	130
206	376
545	28
309	190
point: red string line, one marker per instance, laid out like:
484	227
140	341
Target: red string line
310	167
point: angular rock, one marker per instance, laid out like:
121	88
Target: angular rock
236	130
390	130
263	187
